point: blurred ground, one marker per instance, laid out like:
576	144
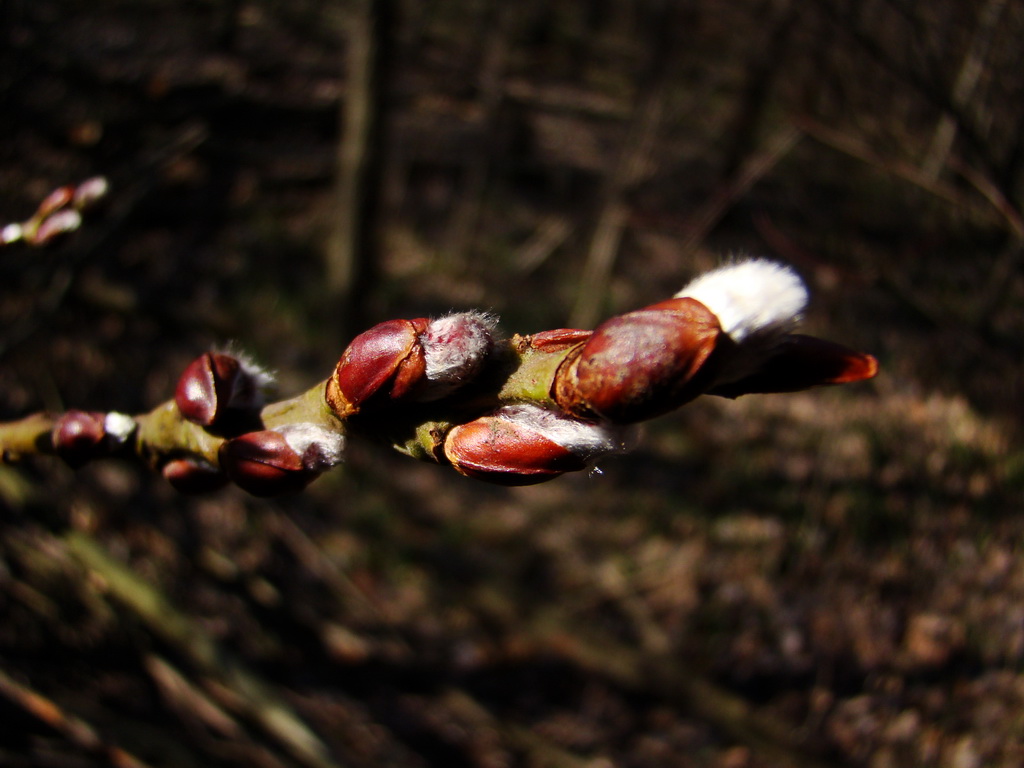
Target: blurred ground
826	578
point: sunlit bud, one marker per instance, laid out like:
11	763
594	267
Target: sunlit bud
271	462
80	436
90	192
59	223
387	358
215	383
193	475
526	444
410	360
641	364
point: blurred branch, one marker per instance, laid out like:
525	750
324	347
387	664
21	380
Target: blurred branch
549	236
82	735
966	82
699	225
926	84
249	694
859	149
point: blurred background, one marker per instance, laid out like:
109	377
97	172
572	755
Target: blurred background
827	578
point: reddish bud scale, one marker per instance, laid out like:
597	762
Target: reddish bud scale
264	464
80	436
204	389
556	340
641	364
800	362
388	358
504	452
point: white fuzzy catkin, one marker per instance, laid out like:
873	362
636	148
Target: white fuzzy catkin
119	426
319	448
454	349
752	298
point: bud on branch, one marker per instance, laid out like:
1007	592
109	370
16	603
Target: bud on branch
450	390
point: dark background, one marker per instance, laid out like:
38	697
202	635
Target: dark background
831	576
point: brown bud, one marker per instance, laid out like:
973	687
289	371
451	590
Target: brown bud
264	464
204	388
388	358
641	364
189	475
222	391
80	436
526	444
417	359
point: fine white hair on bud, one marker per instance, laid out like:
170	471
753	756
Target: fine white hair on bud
90	191
119	426
752	298
587	440
248	388
454	349
319	448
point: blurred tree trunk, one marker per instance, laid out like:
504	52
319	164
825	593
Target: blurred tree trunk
966	82
491	84
763	70
353	247
613	212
